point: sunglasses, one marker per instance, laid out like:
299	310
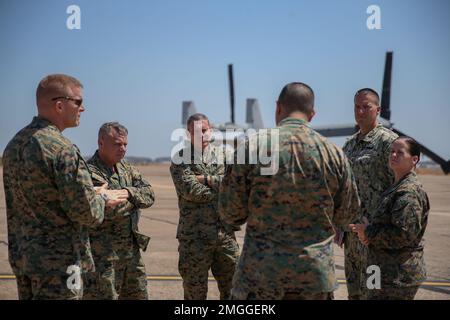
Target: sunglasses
78	102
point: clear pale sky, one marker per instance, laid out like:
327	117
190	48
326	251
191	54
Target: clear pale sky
138	60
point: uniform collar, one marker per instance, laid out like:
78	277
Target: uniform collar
411	176
98	162
293	122
43	123
371	134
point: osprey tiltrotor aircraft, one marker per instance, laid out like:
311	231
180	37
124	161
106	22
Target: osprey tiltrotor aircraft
254	119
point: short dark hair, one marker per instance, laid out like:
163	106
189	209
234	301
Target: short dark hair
108	126
56	85
196	117
367	91
413	146
297	96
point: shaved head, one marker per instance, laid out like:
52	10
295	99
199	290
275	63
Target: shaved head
297	96
368	91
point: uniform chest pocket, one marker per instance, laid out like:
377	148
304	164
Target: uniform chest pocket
366	160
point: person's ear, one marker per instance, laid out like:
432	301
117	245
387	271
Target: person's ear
415	160
378	109
188	134
311	115
278	113
58	107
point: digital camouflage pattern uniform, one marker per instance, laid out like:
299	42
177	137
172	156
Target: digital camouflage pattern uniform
49	198
290	216
204	240
369	159
396	241
116	243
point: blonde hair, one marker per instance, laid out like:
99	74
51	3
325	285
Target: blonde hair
55	85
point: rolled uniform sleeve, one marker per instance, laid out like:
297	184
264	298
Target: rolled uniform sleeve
76	191
119	210
188	186
405	224
141	193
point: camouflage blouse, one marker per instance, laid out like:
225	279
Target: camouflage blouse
396	233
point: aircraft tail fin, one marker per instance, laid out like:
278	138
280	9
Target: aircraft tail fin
188	110
253	116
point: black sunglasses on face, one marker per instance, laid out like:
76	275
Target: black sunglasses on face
78	102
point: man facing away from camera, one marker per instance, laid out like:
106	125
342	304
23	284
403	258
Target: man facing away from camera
292	213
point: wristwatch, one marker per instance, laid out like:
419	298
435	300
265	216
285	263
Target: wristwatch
205	182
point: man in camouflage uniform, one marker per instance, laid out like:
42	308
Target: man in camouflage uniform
368	152
50	197
291	215
204	240
116	243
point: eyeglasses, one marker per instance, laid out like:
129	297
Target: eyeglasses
78	102
365	108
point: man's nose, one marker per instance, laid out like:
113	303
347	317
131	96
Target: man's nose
82	108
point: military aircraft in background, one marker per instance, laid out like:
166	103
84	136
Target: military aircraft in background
254	119
253	116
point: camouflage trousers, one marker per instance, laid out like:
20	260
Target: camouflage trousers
47	287
308	296
393	293
355	266
196	257
291	296
124	279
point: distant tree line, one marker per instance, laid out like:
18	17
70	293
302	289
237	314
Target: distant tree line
132	160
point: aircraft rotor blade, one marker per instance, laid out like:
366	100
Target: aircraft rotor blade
386	93
445	165
337	131
231	83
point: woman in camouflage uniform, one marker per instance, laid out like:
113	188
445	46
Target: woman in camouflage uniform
395	234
